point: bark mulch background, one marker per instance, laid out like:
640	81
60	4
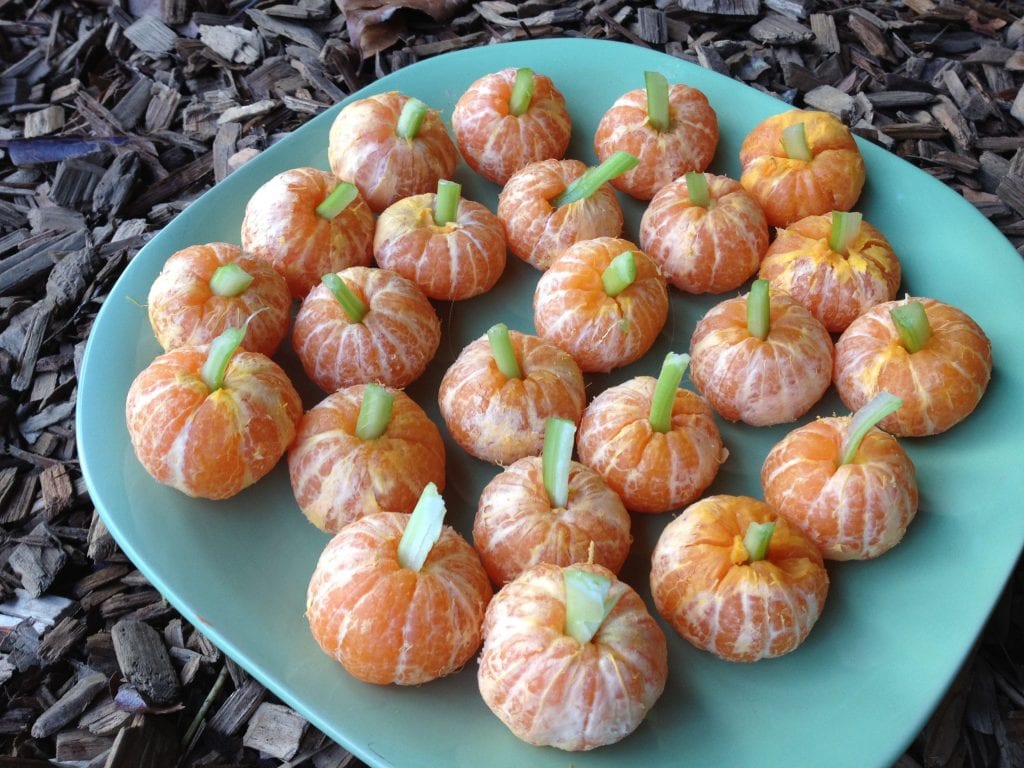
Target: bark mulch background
116	114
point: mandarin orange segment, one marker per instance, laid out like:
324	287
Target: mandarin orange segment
207	444
572	309
365	150
501	419
940	385
705	249
835	287
338	477
722	602
517	527
281	226
452	261
689	144
652	471
790	189
551	690
496	143
858	510
387	624
536	231
392	345
185	312
761	382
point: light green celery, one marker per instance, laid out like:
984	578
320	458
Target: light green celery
697	189
374	412
794	142
664	397
866	417
912	324
759	310
422	530
757	538
230	280
556	460
446	202
522	92
657	101
845	228
619	274
592	179
337	201
587	603
354	307
410	119
501	349
219	355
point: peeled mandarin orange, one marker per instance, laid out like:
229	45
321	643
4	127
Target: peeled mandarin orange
537	231
337	477
572	308
834	286
789	189
940	384
652	471
365	149
706	586
688	144
497	143
852	511
282	227
516	526
761	382
705	249
388	624
211	444
391	345
185	311
501	419
452	261
552	690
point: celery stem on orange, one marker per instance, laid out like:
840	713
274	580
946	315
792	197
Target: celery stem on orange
337	200
556	460
657	101
219	355
374	412
411	118
664	397
866	417
446	202
422	530
845	228
587	603
501	349
759	310
522	92
230	280
757	538
592	179
697	189
619	274
352	304
794	142
912	324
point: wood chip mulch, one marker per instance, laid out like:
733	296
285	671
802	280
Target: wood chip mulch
116	114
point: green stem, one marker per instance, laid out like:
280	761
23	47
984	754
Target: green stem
697	189
219	355
587	604
556	460
593	178
664	397
757	538
619	274
337	201
352	304
522	92
374	412
845	228
794	142
868	416
446	202
230	280
422	530
759	310
912	324
657	101
501	349
410	119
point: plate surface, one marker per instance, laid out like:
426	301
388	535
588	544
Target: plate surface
894	630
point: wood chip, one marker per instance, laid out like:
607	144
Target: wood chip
70	705
722	7
45	121
276	730
144	661
151	35
776	29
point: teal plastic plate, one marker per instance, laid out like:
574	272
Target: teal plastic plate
894	631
